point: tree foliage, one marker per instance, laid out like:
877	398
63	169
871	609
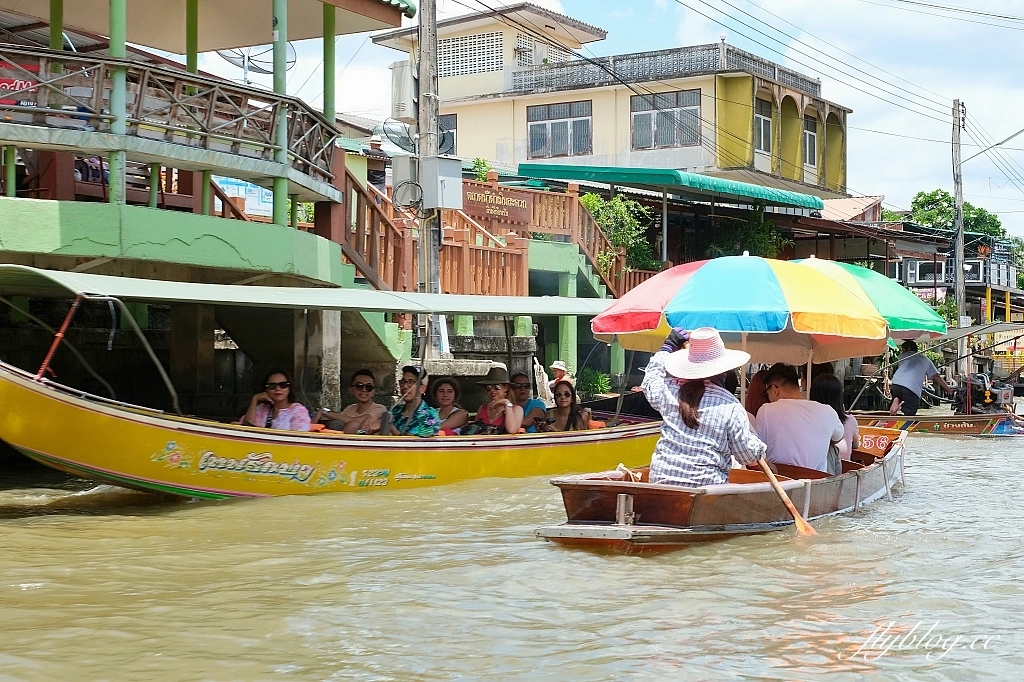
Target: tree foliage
625	223
756	235
936	209
480	169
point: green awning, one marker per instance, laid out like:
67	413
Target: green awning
408	7
690	186
22	280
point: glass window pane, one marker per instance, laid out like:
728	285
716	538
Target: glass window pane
689	126
689	98
558	111
559	138
766	134
763	107
810	149
665	101
537	113
665	129
810	124
538	140
643	133
579	109
641	102
581	136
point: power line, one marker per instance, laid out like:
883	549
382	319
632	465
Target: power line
783	55
941	16
962	10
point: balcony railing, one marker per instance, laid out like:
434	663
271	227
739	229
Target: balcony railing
72	91
983	271
651	66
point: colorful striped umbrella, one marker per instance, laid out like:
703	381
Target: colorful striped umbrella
779	311
908	316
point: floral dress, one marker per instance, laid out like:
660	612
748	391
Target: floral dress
424	422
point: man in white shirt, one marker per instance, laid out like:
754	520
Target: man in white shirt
908	381
796	431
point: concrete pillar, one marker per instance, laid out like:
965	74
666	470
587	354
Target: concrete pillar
318	357
567	332
463	325
618	359
524	325
293	206
1006	304
280	34
330	61
192	348
118	97
10	171
57	175
988	305
192	36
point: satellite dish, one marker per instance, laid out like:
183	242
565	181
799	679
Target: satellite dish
399	134
258	59
445	141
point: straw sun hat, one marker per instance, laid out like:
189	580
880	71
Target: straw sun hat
706	357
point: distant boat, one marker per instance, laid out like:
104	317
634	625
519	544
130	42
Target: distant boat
995	424
612	510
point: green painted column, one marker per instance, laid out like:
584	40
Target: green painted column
207	195
524	325
10	171
56	24
463	325
618	358
567	332
192	36
154	185
281	88
118	97
330	61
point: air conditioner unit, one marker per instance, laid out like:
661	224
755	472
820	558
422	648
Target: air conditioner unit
404	92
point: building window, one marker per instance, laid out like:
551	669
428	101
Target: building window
763	126
446	129
668	119
929	271
810	141
560	129
478	53
524	50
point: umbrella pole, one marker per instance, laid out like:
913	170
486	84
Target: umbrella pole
807	388
743	371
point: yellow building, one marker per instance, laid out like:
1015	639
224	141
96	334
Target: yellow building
513	91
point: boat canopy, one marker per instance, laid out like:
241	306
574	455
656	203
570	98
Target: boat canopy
687	186
28	281
979	329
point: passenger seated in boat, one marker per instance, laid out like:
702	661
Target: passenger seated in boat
413	416
755	396
535	412
364	416
566	415
796	431
827	389
499	414
445	396
704	426
276	407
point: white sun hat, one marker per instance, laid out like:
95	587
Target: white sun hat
706	357
559	364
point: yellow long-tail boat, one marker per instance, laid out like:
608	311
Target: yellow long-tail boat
137	447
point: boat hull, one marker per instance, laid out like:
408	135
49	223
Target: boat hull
608	511
1004	424
148	450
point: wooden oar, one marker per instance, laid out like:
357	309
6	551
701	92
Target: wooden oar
802	527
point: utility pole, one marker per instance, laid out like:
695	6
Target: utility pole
958	228
430	227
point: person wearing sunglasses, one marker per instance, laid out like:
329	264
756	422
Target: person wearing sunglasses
364	416
534	409
499	414
566	415
276	407
413	416
797	431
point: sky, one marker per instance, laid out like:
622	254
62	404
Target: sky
916	59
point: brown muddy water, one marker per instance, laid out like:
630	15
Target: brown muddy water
449	582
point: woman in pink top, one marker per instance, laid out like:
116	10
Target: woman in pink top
276	407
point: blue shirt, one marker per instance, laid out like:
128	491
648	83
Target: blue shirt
532	404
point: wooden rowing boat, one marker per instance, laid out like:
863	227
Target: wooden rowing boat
146	449
996	424
611	510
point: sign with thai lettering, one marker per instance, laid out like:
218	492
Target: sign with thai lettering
497	203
